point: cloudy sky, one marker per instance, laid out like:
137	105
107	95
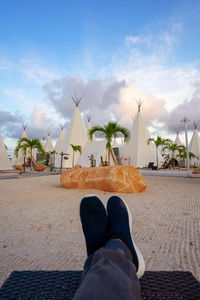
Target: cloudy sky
110	52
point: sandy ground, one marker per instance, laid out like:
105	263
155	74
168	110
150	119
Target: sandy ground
41	230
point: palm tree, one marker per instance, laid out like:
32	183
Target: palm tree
52	157
159	141
28	145
173	147
183	154
110	130
75	148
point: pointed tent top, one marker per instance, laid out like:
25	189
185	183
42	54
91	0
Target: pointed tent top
195	124
139	103
89	117
62	126
76	99
177	132
24	126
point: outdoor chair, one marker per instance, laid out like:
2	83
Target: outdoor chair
150	165
62	285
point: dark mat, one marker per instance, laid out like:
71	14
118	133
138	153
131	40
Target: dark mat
61	285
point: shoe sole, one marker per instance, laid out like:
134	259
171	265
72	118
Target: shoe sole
141	263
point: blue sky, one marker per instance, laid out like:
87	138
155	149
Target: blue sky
111	52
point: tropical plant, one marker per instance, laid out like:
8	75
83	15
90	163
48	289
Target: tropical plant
110	130
173	148
75	148
52	157
159	141
27	145
183	154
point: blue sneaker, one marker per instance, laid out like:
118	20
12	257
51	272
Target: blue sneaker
94	223
119	227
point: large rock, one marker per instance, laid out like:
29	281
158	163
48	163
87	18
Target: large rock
121	179
196	171
18	167
39	167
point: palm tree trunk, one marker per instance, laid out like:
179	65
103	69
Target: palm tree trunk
173	160
157	156
109	157
31	161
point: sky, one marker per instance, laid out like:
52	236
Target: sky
110	53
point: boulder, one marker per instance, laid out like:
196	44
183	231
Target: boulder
121	179
196	171
39	167
18	167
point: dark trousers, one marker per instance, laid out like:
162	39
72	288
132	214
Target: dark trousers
110	274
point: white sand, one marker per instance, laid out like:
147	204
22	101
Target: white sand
41	230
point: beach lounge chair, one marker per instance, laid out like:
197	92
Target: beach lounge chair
62	285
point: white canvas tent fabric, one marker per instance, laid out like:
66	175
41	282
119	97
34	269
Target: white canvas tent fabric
60	142
43	142
20	159
137	151
5	163
194	147
76	134
48	146
115	144
88	128
178	141
97	149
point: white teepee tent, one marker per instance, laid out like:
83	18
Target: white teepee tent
48	146
20	159
194	146
5	163
97	149
177	140
179	143
137	151
76	134
89	117
43	142
60	140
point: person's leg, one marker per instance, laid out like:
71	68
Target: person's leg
109	271
108	274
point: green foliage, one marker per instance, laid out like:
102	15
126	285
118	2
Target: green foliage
29	144
110	130
159	141
183	154
172	148
76	148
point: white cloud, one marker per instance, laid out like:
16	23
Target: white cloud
149	62
133	39
40	119
22	101
38	73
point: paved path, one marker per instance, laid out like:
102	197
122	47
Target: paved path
168	173
14	175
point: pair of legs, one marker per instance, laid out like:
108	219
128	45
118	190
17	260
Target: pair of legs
114	264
